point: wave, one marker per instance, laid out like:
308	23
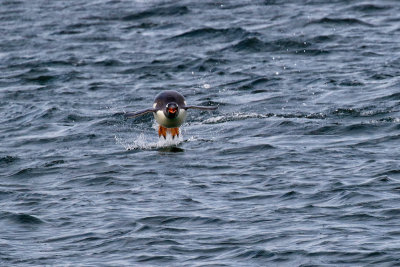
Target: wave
21	218
208	32
8	160
340	21
161	220
370	8
258	82
157	12
246	149
237	116
252	44
394	96
290	45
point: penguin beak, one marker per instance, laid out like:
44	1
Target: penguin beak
172	110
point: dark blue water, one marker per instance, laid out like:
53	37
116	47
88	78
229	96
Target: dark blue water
298	166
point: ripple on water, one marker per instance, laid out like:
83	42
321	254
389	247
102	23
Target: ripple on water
21	218
298	166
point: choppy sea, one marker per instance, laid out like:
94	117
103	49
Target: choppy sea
299	166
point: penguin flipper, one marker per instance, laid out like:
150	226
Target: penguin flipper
139	113
201	107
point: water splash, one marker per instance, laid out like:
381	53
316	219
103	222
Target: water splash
169	141
236	116
145	142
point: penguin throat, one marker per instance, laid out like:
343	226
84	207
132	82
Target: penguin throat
171	115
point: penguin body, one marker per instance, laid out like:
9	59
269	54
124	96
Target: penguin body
163	115
170	111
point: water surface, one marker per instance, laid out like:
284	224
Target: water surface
298	166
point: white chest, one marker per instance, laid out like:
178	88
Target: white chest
170	123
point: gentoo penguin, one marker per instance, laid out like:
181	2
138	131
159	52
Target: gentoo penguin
169	110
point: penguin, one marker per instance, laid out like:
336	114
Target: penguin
170	111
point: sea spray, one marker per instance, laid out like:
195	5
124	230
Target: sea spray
144	141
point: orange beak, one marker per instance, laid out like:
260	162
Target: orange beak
172	110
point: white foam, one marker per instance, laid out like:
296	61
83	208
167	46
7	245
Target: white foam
169	141
144	142
234	116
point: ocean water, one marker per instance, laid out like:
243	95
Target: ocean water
299	166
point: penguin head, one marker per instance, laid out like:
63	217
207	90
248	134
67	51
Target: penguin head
171	110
